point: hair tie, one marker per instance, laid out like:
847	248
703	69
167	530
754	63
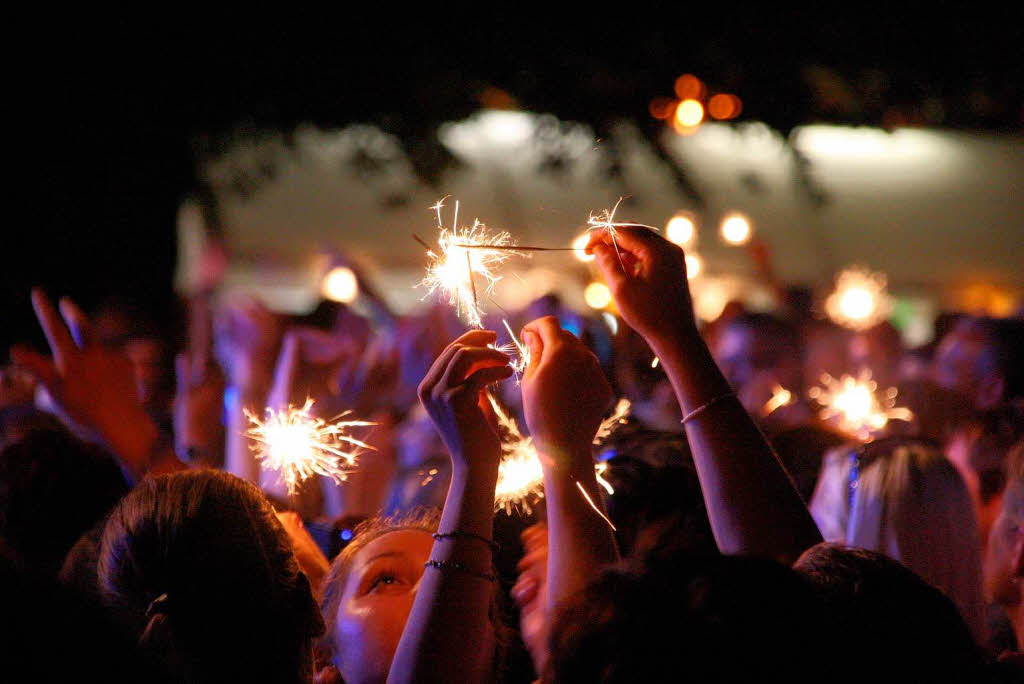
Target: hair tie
157	605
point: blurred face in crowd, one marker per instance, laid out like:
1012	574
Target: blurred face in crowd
745	354
963	364
379	592
1004	562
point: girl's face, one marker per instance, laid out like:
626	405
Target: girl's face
376	602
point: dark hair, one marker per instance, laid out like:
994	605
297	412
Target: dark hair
1005	338
200	570
781	331
657	506
53	488
893	621
699	618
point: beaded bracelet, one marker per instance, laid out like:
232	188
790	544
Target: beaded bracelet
495	546
454	565
701	409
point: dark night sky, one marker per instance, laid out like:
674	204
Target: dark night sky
107	107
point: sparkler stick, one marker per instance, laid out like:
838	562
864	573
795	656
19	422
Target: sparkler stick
298	445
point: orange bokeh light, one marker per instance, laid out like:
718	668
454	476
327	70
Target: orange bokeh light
689	87
661	107
724	106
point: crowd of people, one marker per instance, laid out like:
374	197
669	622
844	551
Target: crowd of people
141	539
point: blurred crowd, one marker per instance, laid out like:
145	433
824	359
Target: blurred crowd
746	529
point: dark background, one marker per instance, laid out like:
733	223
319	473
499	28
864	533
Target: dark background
111	111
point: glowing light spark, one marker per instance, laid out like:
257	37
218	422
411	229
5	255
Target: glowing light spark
859	300
594	506
460	259
520	476
655	362
780	397
606	221
298	445
856	406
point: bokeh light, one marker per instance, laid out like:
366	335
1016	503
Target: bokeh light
661	107
689	87
694	265
724	106
736	229
597	295
689	113
578	244
340	285
680	229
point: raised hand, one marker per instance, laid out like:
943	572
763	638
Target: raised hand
565	393
530	593
94	386
452	394
651	292
245	336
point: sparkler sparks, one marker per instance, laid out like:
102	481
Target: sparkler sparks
463	254
298	445
606	221
859	300
520	475
519	352
856	405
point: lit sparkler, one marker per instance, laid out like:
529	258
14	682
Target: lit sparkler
298	445
606	221
463	254
520	475
860	299
856	404
519	353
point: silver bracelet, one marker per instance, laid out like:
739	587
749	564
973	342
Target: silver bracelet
701	409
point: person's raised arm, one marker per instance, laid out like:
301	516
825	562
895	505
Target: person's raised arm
565	395
751	501
95	387
448	636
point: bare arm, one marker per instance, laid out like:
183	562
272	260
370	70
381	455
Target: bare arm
448	636
751	501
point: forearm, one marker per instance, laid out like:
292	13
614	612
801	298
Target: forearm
751	502
581	542
448	636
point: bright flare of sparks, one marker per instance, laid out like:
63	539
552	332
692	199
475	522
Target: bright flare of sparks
520	475
859	300
453	269
780	397
856	405
298	445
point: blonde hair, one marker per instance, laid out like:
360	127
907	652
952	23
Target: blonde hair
908	502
